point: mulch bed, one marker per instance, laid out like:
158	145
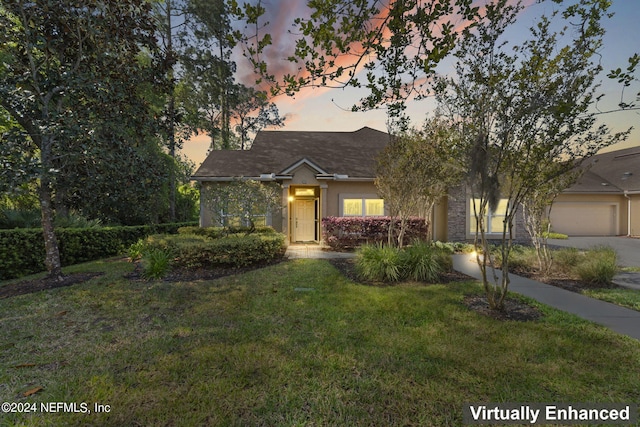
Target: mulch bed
513	309
347	267
185	275
30	286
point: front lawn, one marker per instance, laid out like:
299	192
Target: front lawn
295	343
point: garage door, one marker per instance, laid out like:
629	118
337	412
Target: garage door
585	219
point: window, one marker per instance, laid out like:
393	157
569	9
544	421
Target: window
305	192
362	207
374	207
352	207
494	222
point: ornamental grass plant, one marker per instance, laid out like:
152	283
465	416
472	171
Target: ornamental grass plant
421	261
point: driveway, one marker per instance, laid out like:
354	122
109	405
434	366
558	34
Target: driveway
628	248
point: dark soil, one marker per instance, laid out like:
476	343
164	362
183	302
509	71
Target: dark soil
560	281
185	275
348	268
30	286
513	309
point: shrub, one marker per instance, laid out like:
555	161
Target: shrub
379	263
421	261
425	262
237	250
74	220
521	258
351	232
567	258
22	250
599	266
553	235
136	250
156	263
20	218
455	247
218	232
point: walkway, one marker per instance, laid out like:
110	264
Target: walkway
622	320
313	250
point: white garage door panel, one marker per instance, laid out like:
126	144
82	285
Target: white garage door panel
585	219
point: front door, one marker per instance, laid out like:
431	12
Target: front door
304	220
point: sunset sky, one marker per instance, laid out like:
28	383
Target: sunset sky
322	109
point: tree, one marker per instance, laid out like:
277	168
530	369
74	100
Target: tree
396	44
524	116
536	210
57	58
626	77
208	68
166	13
241	201
414	172
253	112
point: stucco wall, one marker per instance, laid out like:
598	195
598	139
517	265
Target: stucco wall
635	214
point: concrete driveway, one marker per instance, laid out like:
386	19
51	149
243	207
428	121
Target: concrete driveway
628	248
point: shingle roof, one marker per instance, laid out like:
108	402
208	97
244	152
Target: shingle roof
342	153
612	172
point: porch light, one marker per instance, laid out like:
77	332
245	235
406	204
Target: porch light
291	198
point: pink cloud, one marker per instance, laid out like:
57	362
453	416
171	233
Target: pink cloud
280	16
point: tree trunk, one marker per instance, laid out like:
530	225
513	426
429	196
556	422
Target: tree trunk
52	257
171	118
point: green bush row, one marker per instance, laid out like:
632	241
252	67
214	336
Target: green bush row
421	261
218	232
191	251
596	266
22	250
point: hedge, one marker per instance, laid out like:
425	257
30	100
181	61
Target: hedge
352	232
22	250
236	250
217	232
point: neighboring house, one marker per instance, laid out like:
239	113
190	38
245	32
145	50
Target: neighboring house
325	174
605	201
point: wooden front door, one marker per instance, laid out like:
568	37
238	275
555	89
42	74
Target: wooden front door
304	220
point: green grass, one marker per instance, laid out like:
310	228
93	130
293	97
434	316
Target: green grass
629	298
292	344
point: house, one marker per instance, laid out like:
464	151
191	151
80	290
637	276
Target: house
324	174
320	173
605	201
